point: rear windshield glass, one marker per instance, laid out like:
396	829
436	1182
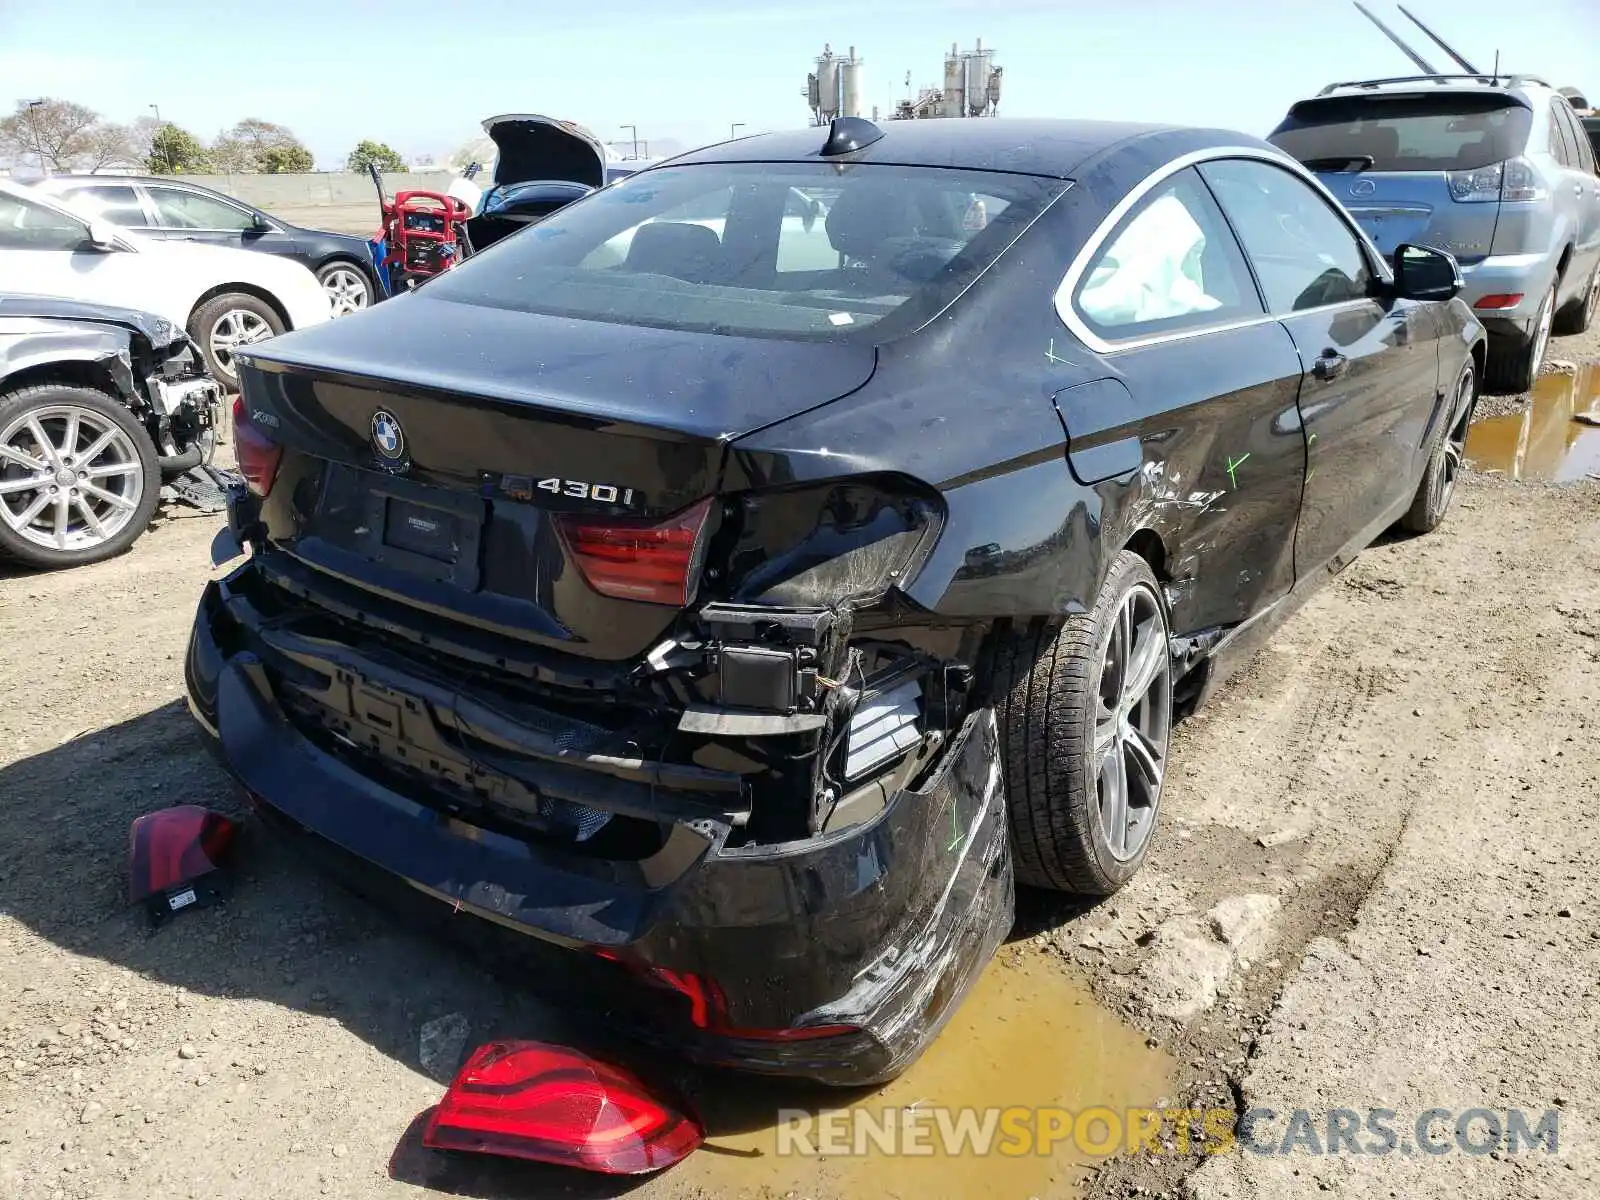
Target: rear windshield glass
1404	133
791	250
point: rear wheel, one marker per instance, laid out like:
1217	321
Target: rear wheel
1579	315
1512	367
1438	484
1085	709
225	324
79	480
349	290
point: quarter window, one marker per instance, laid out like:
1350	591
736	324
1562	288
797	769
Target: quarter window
190	210
1561	142
1171	265
1304	254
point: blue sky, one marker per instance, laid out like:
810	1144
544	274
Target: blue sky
686	70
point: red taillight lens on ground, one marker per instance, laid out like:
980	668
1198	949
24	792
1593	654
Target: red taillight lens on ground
556	1105
173	856
258	455
632	559
1499	300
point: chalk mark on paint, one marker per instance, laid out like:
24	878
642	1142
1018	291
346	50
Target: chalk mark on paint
1234	465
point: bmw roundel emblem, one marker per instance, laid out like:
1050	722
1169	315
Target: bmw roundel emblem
1363	187
388	439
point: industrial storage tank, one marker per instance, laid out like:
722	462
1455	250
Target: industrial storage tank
850	86
955	84
994	89
977	80
827	85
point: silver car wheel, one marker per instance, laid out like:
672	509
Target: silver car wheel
80	479
347	291
1133	723
234	328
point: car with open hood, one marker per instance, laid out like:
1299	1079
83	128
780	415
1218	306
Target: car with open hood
541	165
740	613
225	298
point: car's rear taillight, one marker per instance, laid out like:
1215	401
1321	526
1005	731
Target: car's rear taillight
633	559
1514	179
258	455
551	1104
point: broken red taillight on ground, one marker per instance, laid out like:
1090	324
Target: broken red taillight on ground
258	455
174	857
556	1105
629	558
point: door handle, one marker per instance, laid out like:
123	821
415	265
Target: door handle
1330	364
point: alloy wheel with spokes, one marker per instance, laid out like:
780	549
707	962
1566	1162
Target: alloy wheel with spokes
78	477
1084	710
1541	335
347	291
1446	455
1133	720
235	328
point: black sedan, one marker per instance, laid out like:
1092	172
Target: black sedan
739	600
178	210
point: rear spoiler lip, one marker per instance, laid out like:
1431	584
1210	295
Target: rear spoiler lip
1314	103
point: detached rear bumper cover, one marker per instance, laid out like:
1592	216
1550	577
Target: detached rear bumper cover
881	926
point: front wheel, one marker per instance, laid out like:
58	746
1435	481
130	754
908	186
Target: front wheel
1085	713
1438	484
226	324
79	478
1579	315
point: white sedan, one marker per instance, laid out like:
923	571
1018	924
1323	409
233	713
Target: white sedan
225	298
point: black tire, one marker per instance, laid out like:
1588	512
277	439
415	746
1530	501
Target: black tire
1512	367
1577	316
204	321
15	405
1438	484
1047	679
344	265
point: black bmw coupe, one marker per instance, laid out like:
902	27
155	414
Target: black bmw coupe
738	578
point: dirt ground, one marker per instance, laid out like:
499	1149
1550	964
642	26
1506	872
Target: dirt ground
1374	884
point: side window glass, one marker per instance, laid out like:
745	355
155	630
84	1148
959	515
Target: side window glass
119	205
1172	264
1560	141
1304	253
25	225
1581	156
190	210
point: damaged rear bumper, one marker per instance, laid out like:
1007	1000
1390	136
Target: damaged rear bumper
836	958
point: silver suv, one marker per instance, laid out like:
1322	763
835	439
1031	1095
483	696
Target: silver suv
1496	170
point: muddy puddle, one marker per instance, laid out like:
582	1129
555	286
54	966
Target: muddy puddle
1544	442
1028	1046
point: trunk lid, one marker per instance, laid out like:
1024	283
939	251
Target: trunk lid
533	147
1396	207
501	420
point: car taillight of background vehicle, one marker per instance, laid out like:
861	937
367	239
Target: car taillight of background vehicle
1512	180
629	558
258	455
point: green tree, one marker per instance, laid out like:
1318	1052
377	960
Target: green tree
378	154
286	160
176	151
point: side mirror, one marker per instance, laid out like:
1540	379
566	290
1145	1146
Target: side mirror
102	235
259	223
1423	273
